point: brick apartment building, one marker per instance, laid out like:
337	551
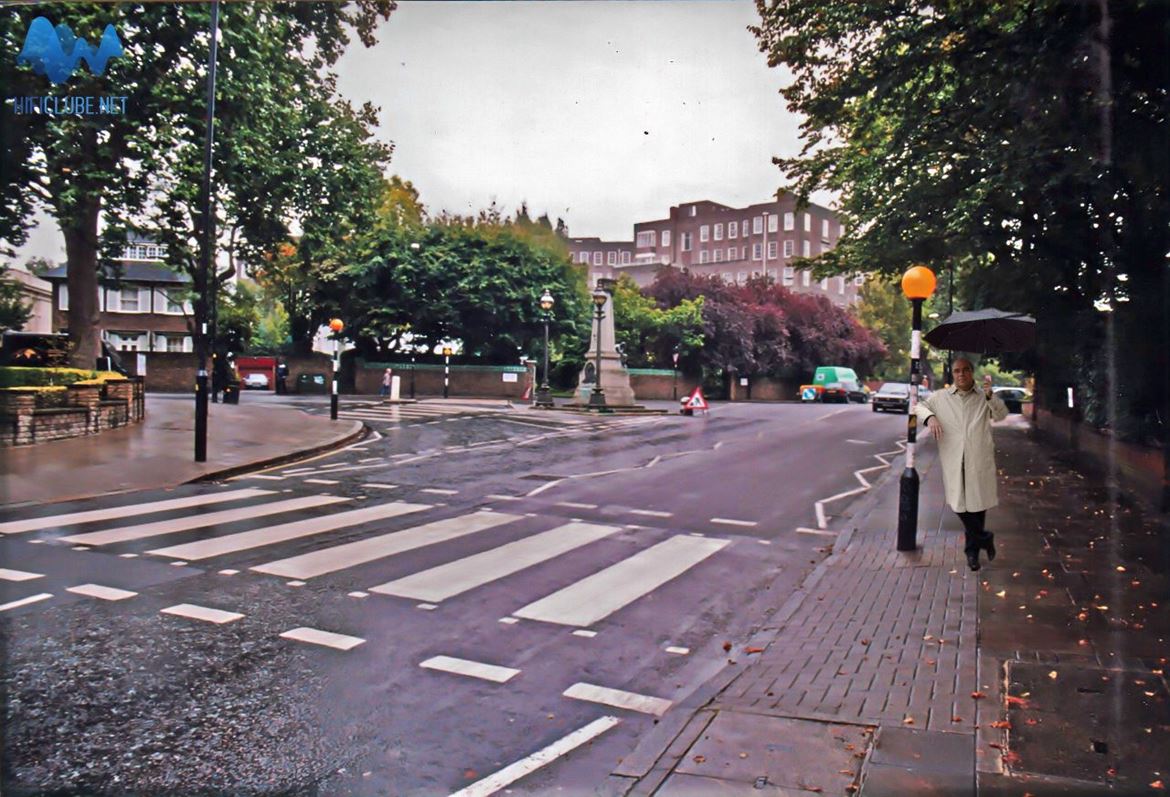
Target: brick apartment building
145	310
731	243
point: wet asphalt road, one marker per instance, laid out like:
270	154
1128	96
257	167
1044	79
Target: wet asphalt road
614	552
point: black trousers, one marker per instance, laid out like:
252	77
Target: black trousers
976	537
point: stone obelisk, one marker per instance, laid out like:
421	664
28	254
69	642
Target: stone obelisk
615	379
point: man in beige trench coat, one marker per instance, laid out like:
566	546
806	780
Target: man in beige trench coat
959	418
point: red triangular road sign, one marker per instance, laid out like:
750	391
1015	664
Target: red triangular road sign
696	401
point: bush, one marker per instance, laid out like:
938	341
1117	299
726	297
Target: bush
16	376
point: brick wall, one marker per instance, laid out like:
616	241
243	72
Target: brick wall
88	409
465	380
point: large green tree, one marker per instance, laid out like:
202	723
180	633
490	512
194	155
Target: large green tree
1029	139
277	121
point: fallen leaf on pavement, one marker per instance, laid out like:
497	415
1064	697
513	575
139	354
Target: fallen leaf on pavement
908	721
1001	724
726	647
1012	700
699	759
996	745
470	774
977	695
755	650
956	719
743	755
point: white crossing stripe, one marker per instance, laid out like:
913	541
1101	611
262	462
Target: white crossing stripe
98	591
189	522
18	575
618	699
472	669
315	636
603	593
822	532
25	601
445	581
731	522
207	615
573	505
651	513
439	491
320	481
381	486
526	766
678	651
130	510
338	557
268	535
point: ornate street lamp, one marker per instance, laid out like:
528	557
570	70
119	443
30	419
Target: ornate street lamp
918	284
597	397
336	325
543	393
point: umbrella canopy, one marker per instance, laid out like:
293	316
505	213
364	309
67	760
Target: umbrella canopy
987	331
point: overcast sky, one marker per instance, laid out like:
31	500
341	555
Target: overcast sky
601	113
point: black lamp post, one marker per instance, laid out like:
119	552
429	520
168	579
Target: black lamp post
674	374
543	393
918	284
206	260
336	325
597	397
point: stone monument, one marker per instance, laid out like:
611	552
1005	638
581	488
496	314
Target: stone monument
615	379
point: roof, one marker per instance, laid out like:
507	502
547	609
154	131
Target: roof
131	271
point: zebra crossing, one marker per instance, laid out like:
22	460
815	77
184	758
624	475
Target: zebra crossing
384	531
380	413
432	412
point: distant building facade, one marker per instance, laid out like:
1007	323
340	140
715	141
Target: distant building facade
145	308
733	244
38	294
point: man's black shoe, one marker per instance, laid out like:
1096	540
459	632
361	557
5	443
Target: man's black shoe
973	560
989	546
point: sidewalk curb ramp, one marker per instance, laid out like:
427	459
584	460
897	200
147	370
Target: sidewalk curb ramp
353	435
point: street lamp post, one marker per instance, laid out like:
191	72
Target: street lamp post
918	284
597	397
544	393
412	370
446	371
336	325
205	255
674	375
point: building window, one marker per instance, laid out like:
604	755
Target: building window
727	277
756	251
665	239
582	257
127	342
625	258
718	255
789	248
807	222
744	228
790	221
128	301
63	296
686	241
597	258
789	276
741	277
806	248
841	285
611	258
758	225
702	255
646	238
825	229
718	232
704	234
773	222
804	278
694	210
859	280
731	253
733	230
825	284
771	250
772	274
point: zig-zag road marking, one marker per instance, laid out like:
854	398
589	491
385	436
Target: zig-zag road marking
822	520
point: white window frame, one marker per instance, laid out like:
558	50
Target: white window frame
789	248
805	278
646	239
789	276
740	277
806	248
704	233
703	256
744	230
611	257
597	258
718	232
825	284
773	223
772	248
694	210
583	257
732	229
685	243
625	258
665	238
757	250
718	255
772	274
757	225
790	221
120	294
62	296
731	253
841	285
808	222
825	229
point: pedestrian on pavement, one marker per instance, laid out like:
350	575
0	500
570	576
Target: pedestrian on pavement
386	377
281	377
959	417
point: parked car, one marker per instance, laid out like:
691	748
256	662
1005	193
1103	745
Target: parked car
1013	397
256	381
892	397
834	383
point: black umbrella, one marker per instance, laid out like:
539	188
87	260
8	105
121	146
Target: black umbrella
987	331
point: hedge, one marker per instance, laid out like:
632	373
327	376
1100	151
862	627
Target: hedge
17	376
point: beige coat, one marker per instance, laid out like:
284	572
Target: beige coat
966	451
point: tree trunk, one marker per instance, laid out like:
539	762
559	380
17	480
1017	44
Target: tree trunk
81	252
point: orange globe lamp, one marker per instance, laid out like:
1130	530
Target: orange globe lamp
918	282
337	325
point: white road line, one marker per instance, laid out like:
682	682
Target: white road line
200	521
822	521
338	557
453	578
438	491
371	459
203	613
342	468
603	593
328	639
258	476
268	535
732	522
495	497
508	620
321	481
822	532
472	669
572	505
526	766
18	575
584	633
104	593
859	442
130	510
618	699
378	486
678	651
25	601
651	513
